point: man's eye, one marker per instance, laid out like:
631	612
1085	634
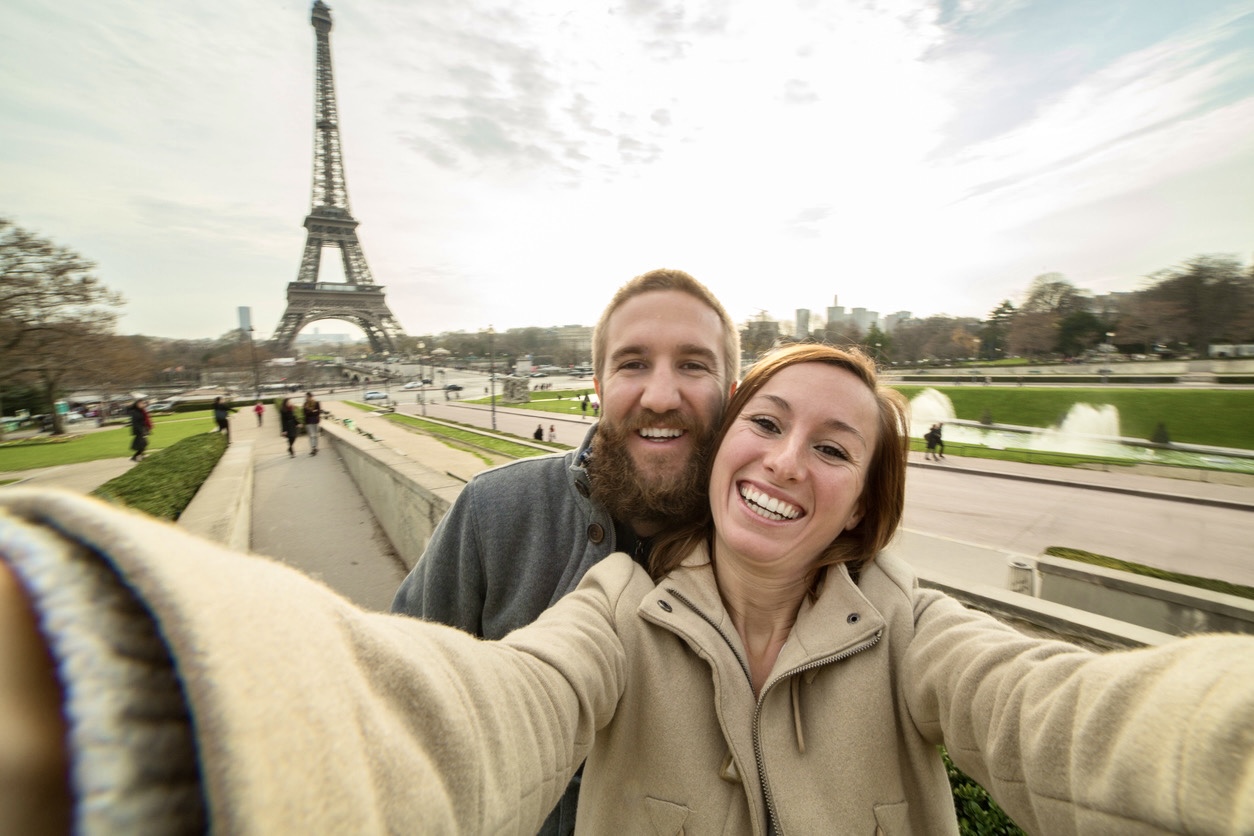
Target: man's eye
695	367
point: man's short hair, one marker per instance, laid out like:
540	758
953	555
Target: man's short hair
667	279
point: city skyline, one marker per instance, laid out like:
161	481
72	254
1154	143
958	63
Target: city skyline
512	167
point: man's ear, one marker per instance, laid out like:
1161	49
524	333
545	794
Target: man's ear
596	386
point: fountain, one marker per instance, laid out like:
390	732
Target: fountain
1086	430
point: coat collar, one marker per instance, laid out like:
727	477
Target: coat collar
840	622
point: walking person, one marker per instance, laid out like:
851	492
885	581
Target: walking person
538	435
932	438
552	432
940	442
221	416
260	410
288	424
141	428
313	418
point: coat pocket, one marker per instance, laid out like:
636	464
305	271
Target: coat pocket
666	817
892	819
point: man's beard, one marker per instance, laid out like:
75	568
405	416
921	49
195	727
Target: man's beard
666	500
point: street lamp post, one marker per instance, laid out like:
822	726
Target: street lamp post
252	347
422	387
492	377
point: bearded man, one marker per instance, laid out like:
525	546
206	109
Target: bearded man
520	536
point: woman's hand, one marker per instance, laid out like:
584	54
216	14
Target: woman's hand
34	766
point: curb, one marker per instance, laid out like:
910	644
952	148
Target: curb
221	510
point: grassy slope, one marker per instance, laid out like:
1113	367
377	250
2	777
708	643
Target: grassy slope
101	444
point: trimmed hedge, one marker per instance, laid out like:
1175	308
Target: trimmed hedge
163	485
978	813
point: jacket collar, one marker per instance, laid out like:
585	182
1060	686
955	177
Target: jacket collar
840	622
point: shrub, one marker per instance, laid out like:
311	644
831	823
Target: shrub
1160	434
164	484
978	813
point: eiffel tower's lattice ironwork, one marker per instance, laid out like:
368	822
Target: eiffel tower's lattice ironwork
330	223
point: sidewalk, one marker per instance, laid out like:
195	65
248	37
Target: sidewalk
308	513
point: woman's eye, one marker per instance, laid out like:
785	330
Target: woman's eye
765	423
832	451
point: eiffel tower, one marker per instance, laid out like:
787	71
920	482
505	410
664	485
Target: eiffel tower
330	223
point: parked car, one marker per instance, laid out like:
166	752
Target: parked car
413	384
375	395
427	381
161	406
539	374
453	387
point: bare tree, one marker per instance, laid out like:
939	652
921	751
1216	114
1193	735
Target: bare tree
56	318
1034	333
1213	293
1147	322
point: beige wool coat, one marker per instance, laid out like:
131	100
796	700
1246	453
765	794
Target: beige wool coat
197	676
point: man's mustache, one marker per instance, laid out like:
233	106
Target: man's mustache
646	418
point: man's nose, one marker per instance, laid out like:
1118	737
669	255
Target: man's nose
661	391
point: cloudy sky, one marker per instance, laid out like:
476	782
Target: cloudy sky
512	163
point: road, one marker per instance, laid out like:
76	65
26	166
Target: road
1007	514
1028	517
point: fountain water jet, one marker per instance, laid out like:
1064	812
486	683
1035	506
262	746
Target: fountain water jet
1086	430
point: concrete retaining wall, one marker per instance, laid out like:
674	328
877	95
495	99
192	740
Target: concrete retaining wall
1158	605
1063	621
407	497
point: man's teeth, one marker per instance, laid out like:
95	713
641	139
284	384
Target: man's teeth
660	432
767	506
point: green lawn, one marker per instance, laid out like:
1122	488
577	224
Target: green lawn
502	446
46	451
1215	417
561	401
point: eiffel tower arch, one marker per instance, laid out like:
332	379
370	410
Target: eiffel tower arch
330	223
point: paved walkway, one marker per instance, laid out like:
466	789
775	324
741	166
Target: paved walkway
307	511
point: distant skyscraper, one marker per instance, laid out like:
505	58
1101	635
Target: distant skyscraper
803	323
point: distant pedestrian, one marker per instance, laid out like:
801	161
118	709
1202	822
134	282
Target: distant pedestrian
552	432
313	417
141	428
260	410
287	422
538	435
583	407
935	447
221	416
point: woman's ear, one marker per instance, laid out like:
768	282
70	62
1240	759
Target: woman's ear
855	517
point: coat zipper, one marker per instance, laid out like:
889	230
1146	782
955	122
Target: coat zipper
772	819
